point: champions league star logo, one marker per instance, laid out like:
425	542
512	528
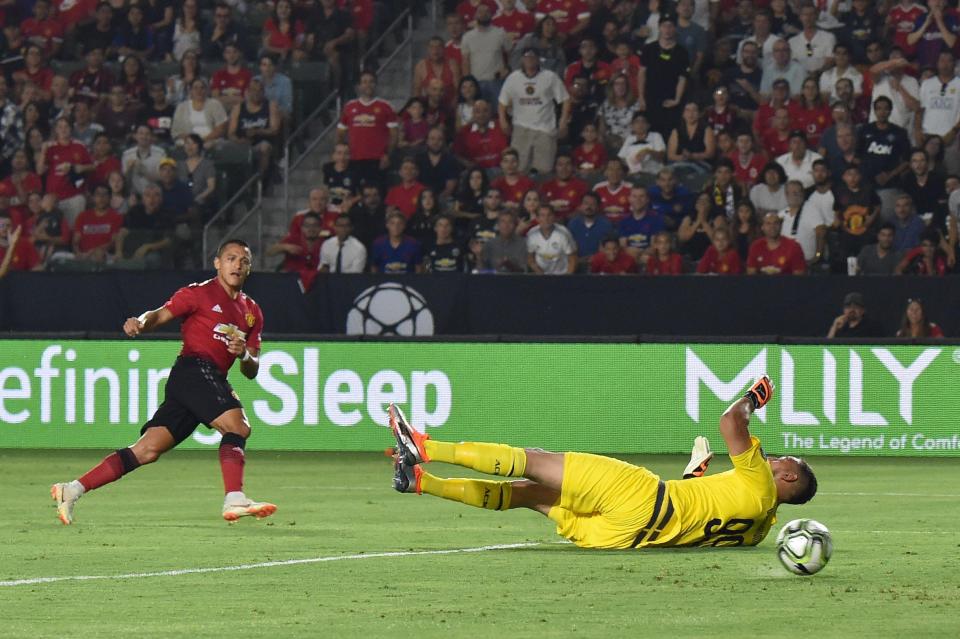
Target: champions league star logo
390	309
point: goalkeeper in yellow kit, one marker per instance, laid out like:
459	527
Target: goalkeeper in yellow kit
600	502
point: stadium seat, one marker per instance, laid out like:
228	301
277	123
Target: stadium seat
311	83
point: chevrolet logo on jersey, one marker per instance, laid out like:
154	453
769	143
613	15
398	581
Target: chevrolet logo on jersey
226	332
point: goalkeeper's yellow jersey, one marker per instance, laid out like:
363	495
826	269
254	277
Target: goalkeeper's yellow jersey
733	508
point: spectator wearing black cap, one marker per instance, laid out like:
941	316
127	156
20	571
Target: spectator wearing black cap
853	322
798	162
663	81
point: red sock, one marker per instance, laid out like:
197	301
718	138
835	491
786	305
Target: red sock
110	469
231	465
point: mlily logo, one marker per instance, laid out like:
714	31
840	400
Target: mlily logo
698	372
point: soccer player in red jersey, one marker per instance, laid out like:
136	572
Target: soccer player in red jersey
221	324
774	254
565	191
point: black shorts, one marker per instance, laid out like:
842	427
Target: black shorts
196	393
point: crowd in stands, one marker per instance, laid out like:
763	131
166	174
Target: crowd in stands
661	137
115	116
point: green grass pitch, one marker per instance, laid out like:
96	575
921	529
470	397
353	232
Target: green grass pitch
893	573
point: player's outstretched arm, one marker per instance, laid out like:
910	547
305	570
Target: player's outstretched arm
735	421
734	426
147	321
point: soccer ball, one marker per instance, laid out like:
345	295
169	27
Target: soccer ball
804	546
390	309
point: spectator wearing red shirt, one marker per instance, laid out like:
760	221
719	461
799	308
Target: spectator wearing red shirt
403	197
902	21
663	260
915	323
588	66
319	204
436	65
747	163
65	162
43	29
96	233
512	184
516	23
721	115
23	256
230	82
371	128
721	258
18	186
627	63
814	115
35	71
572	16
776	140
565	191
104	162
480	143
283	36
779	99
614	193
467	10
590	156
91	83
611	259
455	30
71	13
774	254
301	251
926	259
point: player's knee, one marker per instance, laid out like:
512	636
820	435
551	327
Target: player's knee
147	454
241	429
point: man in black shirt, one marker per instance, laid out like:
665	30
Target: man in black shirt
368	215
439	170
743	81
883	149
444	255
853	322
329	32
158	114
663	79
223	30
341	178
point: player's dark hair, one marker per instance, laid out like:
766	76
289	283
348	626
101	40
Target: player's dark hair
226	243
808	482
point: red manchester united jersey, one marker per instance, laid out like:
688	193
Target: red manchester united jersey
565	12
482	147
513	193
368	127
615	202
564	197
223	80
726	264
589	160
65	184
95	230
211	318
786	259
516	24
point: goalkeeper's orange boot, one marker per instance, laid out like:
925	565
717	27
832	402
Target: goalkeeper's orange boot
760	393
410	443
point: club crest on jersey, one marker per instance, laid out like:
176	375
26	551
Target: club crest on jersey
216	308
226	332
251	320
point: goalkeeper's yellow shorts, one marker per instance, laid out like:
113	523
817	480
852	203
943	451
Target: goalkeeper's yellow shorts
608	503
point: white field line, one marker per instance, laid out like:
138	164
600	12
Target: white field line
265	564
936	495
